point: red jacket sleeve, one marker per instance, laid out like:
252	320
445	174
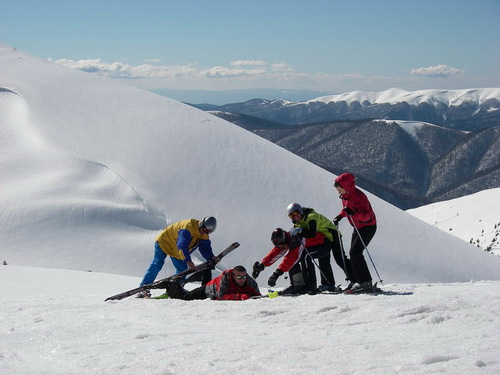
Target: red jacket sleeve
292	256
273	256
290	259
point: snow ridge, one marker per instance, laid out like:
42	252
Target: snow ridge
397	95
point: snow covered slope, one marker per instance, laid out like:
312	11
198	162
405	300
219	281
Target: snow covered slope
474	218
91	170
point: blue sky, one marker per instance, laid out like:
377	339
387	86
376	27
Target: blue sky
330	46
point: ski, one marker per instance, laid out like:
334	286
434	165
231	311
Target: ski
161	283
269	294
376	291
275	294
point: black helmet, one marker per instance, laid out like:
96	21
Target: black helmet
278	237
292	207
209	223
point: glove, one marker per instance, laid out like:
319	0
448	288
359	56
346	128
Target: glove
244	297
257	269
349	211
295	231
274	277
336	220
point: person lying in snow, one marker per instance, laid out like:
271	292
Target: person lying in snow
234	284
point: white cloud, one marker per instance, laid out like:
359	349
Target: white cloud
121	70
220	71
281	67
257	74
243	74
248	63
436	71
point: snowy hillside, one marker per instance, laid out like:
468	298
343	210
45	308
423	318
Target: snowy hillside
395	95
92	169
474	218
412	127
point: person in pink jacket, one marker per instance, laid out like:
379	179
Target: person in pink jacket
360	215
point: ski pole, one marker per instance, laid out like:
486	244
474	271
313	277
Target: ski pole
366	248
314	261
342	251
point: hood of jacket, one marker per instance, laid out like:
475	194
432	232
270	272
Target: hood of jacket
346	181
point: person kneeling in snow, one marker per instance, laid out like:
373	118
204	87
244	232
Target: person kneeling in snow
233	284
297	260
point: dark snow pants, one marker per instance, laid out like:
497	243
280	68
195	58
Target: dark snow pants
176	291
340	258
359	266
322	253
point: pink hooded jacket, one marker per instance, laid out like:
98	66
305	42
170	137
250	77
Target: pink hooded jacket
357	201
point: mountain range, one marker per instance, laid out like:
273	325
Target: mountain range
220	97
409	148
471	109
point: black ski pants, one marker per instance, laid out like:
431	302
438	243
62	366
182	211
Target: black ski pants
204	276
322	253
359	266
176	291
339	255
